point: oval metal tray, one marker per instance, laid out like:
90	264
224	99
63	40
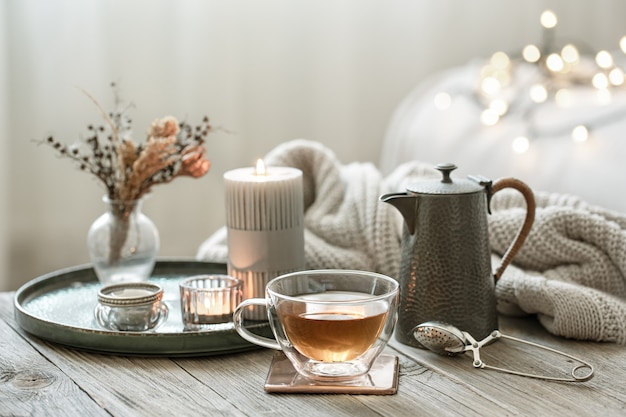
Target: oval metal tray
58	307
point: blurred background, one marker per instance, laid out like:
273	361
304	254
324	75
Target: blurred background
265	71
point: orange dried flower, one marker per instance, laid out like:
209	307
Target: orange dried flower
194	163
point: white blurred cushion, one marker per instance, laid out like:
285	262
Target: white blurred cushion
595	169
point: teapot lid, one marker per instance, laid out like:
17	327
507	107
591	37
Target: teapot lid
448	185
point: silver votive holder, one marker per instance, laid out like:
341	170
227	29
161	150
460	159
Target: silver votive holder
209	299
133	306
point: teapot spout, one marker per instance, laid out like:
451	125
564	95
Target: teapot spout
406	205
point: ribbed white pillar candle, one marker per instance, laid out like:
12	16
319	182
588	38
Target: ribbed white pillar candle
265	225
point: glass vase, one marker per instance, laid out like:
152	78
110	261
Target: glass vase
123	243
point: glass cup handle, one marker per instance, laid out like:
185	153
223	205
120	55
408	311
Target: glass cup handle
247	334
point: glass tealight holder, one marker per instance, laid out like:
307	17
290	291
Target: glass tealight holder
132	306
206	300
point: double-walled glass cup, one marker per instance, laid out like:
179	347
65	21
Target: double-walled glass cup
331	324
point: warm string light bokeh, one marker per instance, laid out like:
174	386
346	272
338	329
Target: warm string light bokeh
557	70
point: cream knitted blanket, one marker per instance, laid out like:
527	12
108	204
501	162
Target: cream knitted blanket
571	272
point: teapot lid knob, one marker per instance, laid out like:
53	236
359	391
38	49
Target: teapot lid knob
446	185
446	169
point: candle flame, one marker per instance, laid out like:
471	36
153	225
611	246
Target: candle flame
260	167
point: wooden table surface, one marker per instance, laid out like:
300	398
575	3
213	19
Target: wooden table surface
39	378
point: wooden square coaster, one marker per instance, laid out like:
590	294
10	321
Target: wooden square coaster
382	379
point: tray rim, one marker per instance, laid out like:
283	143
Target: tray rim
178	343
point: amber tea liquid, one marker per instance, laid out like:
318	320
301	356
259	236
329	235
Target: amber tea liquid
328	333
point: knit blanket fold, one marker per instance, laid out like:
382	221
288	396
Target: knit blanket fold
571	272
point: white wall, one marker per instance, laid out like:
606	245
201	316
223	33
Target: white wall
4	160
268	71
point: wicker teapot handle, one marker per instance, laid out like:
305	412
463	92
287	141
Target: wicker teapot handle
523	232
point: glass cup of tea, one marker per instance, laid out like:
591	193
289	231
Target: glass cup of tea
331	324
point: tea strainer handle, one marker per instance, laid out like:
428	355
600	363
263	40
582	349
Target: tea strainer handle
474	345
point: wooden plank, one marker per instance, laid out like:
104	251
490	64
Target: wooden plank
122	385
424	392
240	378
138	386
41	378
420	389
237	381
164	387
602	395
30	385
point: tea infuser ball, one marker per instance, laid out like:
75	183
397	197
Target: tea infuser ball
440	338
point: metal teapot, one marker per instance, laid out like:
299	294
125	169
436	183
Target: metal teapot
445	269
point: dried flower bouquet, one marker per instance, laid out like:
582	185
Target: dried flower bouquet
129	170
